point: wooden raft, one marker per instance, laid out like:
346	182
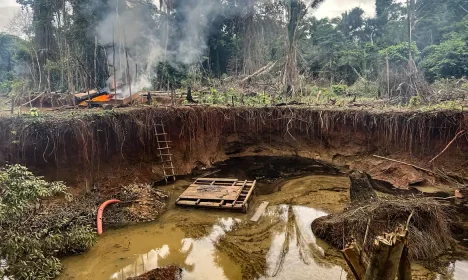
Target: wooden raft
218	193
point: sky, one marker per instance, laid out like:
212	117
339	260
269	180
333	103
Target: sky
330	8
8	9
334	8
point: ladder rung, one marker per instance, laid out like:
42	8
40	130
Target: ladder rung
169	167
164	148
166	161
160	124
167	155
160	134
165	141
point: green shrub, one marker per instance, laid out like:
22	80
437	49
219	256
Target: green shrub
365	88
339	89
32	235
415	101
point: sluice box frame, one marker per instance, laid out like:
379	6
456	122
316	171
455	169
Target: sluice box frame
218	193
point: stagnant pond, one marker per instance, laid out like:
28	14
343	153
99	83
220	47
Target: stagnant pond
226	245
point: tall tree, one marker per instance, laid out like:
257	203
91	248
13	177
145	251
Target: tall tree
297	10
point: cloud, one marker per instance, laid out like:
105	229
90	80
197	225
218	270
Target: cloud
7	14
334	8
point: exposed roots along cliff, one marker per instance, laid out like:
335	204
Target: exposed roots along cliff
106	140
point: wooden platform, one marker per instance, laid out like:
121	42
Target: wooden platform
218	193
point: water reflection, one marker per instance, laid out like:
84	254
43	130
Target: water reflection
294	252
197	257
455	271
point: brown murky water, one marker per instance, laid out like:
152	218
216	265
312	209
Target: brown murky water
223	245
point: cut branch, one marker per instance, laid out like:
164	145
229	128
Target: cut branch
460	133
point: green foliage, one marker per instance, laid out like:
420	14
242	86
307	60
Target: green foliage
447	60
32	238
365	88
260	99
214	97
445	105
339	89
168	75
415	102
191	79
398	54
240	38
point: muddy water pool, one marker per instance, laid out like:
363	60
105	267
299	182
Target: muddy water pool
225	245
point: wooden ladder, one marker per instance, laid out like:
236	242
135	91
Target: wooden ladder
165	153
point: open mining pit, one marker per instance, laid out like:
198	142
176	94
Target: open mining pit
301	159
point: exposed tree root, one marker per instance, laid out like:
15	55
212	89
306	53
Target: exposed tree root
429	232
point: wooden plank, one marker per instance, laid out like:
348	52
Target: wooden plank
210	192
217	179
221	193
240	191
208	204
247	198
260	210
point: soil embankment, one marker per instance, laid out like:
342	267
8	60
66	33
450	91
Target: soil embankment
104	150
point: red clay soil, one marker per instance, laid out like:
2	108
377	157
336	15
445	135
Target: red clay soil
164	273
115	148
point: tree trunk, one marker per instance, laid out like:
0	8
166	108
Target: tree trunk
95	61
404	269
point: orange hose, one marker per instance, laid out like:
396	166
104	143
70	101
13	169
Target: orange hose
100	211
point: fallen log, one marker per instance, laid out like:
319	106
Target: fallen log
30	101
408	164
262	70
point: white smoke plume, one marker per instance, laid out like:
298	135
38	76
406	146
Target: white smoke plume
142	34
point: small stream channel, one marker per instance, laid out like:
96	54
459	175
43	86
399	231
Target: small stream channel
209	244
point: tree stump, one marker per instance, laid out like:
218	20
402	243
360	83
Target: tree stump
361	188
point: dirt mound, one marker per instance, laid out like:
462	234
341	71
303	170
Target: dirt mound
429	229
164	273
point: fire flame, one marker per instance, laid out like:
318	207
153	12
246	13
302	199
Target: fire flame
103	98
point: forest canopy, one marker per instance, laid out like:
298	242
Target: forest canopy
70	45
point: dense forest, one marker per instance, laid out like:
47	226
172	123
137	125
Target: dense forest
410	48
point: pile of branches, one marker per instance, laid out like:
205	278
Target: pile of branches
139	203
429	229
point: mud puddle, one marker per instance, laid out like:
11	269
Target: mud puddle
226	245
221	245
